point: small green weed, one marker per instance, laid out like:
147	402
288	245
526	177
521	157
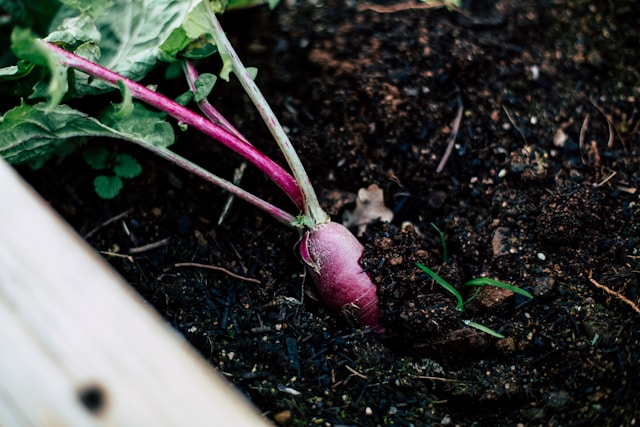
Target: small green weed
443	241
120	166
461	303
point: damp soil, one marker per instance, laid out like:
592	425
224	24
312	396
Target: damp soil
539	191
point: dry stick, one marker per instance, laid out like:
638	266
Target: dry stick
105	223
604	181
447	380
635	129
238	173
618	295
150	246
222	269
117	255
513	122
453	136
583	130
356	373
612	127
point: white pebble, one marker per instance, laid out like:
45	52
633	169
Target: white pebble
541	256
535	72
368	411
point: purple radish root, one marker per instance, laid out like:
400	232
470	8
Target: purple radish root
332	255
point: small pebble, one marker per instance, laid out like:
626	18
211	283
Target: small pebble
535	72
368	411
282	417
541	256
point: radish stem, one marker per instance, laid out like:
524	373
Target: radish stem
312	209
277	213
205	106
275	172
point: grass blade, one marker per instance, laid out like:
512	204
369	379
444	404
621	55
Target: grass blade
483	328
440	281
485	281
443	241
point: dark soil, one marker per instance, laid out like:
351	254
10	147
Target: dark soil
539	191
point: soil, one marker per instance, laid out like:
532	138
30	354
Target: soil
539	191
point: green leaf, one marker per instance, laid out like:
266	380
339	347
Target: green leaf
485	281
35	132
125	108
442	241
483	328
91	7
191	39
30	132
219	6
142	123
89	51
440	281
204	84
227	66
132	32
97	157
75	30
107	187
253	72
176	41
18	80
185	98
15	72
25	47
126	166
244	4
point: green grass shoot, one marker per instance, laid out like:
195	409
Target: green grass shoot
443	241
440	281
483	328
480	281
485	281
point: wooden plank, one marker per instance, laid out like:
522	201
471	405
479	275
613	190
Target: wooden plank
78	347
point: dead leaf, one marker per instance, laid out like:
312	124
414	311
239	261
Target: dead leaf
369	209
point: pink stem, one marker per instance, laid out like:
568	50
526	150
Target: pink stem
270	168
277	213
205	106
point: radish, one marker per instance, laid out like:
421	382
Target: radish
329	250
332	255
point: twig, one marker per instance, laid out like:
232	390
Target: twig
150	246
117	255
612	127
633	131
583	130
514	123
618	295
354	372
237	177
447	380
454	134
222	269
104	224
604	181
